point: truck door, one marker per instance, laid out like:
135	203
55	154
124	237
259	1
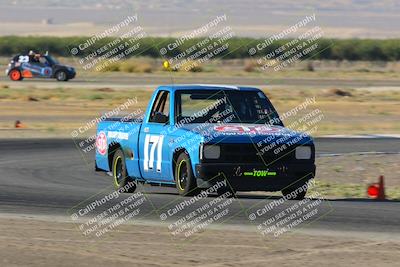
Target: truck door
153	142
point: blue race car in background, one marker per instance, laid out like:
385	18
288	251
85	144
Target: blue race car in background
38	66
193	136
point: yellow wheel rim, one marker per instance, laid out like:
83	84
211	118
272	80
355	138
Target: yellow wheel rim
178	181
115	171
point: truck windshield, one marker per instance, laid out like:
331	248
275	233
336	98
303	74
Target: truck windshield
226	106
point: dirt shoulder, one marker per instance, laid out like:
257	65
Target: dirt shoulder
36	242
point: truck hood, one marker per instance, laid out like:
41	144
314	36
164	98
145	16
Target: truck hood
246	133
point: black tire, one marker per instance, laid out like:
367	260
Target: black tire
120	174
61	76
290	192
184	177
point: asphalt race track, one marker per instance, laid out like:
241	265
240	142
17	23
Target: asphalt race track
51	177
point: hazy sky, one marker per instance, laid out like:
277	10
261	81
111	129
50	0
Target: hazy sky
340	18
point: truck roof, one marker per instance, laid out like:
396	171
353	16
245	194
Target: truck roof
175	87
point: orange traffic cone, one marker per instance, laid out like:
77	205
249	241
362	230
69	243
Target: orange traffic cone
377	190
381	193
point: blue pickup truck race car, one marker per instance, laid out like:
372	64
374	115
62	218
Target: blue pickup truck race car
193	136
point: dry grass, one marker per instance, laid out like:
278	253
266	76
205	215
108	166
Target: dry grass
130	66
357	70
364	112
349	175
361	113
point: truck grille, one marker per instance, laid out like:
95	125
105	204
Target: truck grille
249	153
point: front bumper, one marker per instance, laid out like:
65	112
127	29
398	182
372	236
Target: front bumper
255	177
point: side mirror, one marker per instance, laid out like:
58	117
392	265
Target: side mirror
160	118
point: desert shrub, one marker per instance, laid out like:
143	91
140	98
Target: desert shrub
336	49
337	92
250	66
130	66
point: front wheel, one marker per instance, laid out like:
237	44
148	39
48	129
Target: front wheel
184	177
61	76
120	174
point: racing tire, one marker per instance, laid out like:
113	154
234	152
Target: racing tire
61	76
120	174
15	75
184	177
290	192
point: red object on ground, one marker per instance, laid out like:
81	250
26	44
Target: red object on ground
373	190
381	194
377	190
18	124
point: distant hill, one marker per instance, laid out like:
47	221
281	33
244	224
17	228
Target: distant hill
258	18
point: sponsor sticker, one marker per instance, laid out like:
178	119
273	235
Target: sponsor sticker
118	135
246	129
47	71
260	173
101	143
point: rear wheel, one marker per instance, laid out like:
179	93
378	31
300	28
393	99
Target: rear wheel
15	75
297	192
61	76
120	174
184	178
